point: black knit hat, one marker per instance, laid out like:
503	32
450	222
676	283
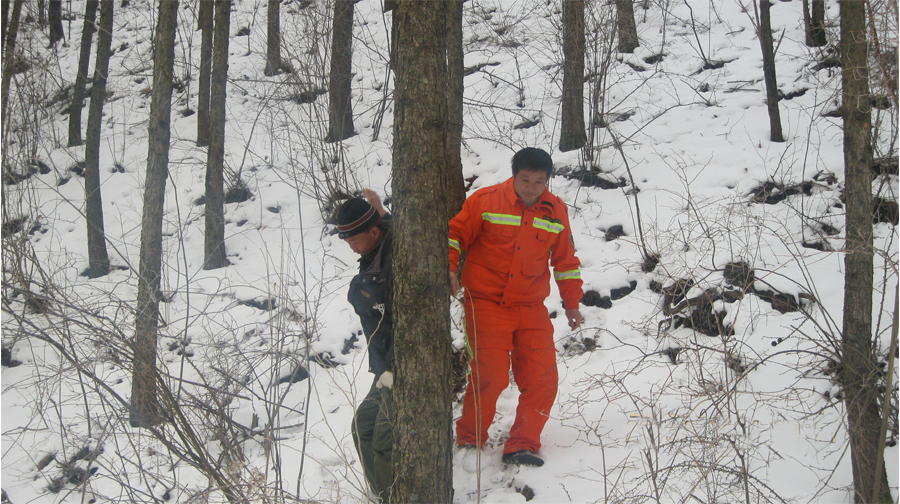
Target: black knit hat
356	216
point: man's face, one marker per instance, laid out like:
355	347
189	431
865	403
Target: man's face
529	185
364	242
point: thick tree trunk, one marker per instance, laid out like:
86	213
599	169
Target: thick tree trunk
84	61
454	182
768	54
9	51
98	258
273	38
54	15
205	20
214	244
625	25
861	373
422	437
572	134
145	404
340	109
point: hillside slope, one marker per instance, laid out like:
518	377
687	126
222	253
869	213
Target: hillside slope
705	373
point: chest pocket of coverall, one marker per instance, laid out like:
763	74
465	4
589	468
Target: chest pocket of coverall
535	263
497	236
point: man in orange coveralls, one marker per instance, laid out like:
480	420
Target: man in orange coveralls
511	231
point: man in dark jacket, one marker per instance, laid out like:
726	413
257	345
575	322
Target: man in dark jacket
366	227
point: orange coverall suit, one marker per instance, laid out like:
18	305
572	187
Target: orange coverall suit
507	278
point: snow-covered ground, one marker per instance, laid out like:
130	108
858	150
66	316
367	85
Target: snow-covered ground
649	409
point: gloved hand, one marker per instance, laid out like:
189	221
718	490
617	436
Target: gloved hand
385	380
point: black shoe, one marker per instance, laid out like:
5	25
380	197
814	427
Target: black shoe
524	457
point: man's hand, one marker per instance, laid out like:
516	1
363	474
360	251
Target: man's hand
454	283
574	318
373	199
385	380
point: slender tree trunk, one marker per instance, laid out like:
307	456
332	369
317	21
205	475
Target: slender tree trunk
340	109
54	15
42	13
84	61
98	258
422	437
205	20
861	373
4	4
814	23
214	244
626	27
9	51
818	23
572	134
273	38
768	54
145	404
454	183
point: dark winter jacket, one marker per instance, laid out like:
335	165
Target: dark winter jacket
370	295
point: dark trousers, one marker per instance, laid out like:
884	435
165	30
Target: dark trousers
373	435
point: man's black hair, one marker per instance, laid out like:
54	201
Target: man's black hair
532	159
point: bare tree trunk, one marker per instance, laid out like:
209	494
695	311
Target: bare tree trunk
144	401
572	134
340	109
273	38
54	15
9	51
768	53
214	244
814	23
454	183
422	437
42	13
98	258
861	373
625	25
205	20
4	5
84	61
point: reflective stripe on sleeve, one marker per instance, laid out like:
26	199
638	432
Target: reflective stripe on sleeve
574	274
546	225
454	244
504	219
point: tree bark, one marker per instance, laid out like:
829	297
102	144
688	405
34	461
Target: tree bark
422	436
145	403
454	183
814	23
768	54
340	108
9	51
205	20
861	373
625	25
214	244
84	61
572	134
98	258
4	6
54	15
273	38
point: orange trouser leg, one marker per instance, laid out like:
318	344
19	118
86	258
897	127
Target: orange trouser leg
534	369
489	330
